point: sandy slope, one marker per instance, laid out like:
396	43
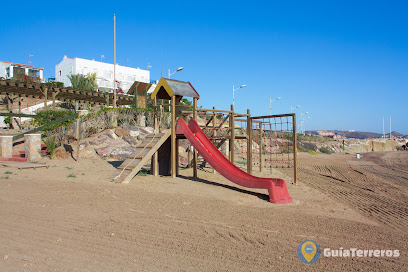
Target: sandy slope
50	222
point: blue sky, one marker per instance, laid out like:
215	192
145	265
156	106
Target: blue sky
344	62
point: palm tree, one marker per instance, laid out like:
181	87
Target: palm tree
82	82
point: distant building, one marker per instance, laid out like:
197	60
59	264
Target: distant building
9	69
325	133
125	76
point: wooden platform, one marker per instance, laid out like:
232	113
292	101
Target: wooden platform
23	165
145	150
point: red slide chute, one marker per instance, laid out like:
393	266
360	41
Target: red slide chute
278	192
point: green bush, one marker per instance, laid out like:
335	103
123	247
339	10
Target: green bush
325	150
50	143
47	117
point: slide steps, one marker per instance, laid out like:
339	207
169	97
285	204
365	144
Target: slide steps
133	163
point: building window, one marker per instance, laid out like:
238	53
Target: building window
8	71
60	73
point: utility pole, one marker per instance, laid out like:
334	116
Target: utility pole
390	127
383	129
114	60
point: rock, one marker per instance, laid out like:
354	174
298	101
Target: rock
120	132
134	133
130	128
110	134
121	153
141	121
146	130
83	145
61	153
183	160
87	153
100	140
116	143
104	151
141	137
131	140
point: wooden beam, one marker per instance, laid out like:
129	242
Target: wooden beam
249	142
260	148
195	155
155	162
232	139
173	136
294	149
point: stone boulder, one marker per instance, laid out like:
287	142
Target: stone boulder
130	140
104	151
100	140
121	153
120	132
61	153
146	130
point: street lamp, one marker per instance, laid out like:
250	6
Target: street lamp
293	108
304	124
233	91
178	70
270	103
302	120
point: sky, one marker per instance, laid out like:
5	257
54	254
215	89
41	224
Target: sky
343	62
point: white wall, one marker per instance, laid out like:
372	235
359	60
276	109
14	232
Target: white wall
104	73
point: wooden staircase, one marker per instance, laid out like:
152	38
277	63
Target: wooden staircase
145	150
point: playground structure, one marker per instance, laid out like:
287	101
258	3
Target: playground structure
219	129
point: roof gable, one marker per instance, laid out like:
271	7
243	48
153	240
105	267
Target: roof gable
166	88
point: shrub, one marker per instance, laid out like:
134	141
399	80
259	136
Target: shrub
50	143
325	150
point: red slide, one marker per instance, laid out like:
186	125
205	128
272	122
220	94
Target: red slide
278	192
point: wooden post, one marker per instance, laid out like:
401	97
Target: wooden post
249	142
19	107
177	157
214	131
294	149
232	139
53	100
156	130
45	98
195	151
173	136
260	147
77	136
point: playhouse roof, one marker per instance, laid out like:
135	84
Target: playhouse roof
139	87
166	88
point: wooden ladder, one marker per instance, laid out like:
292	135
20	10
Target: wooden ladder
145	150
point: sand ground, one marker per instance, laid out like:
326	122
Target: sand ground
69	217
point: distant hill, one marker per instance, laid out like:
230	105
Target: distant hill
359	134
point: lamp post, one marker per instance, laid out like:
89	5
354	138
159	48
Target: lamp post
270	103
233	91
302	120
294	108
303	124
178	70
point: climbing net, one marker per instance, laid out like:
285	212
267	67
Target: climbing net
274	140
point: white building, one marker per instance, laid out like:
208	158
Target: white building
9	69
125	76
